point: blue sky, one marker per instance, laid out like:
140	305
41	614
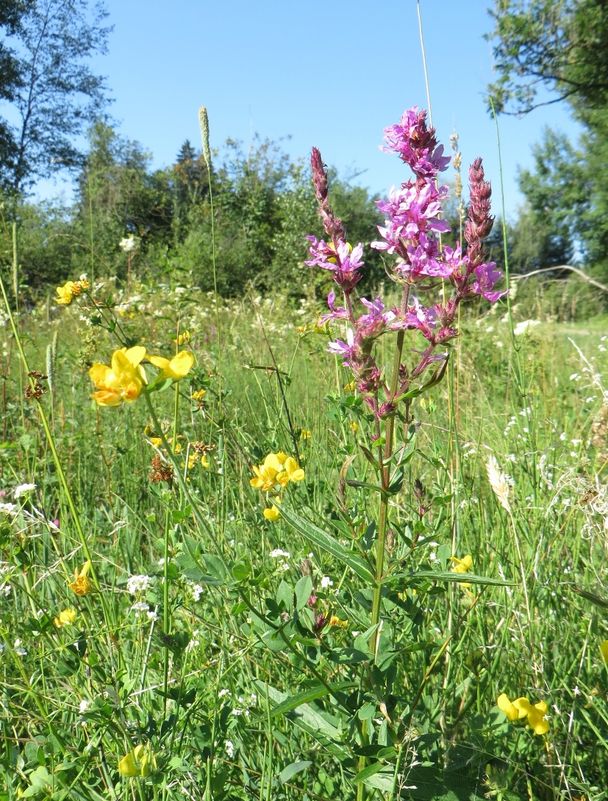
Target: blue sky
330	74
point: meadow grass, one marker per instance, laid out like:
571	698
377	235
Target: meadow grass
220	655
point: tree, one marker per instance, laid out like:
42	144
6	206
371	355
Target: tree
190	184
119	196
549	51
558	45
52	91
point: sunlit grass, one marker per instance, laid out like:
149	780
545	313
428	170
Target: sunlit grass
168	684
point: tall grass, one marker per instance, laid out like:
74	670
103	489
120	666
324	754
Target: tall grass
209	664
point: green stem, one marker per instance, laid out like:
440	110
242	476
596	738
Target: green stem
58	466
384	457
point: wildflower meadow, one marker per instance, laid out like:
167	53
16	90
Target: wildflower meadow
346	545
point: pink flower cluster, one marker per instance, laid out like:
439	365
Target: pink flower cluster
411	233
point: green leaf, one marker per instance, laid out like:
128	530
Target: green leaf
241	570
328	543
303	591
591	596
382	776
406	579
310	720
296	767
312	694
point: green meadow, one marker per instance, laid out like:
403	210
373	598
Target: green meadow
162	639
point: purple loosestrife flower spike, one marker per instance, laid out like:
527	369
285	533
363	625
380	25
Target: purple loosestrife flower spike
416	144
479	220
412	227
332	225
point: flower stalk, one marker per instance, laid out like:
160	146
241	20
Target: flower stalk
424	267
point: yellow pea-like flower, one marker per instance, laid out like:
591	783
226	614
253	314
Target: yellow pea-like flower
124	380
138	762
82	584
65	618
176	368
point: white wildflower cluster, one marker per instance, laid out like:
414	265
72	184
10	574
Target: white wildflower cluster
139	584
143	609
18	648
525	327
246	704
128	244
282	558
23	489
469	449
6	571
196	590
326	583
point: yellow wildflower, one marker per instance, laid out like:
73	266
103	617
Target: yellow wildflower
508	707
124	380
350	387
175	368
183	338
66	293
198	395
462	565
82	584
138	762
604	650
521	709
334	620
291	471
305	433
65	618
354	426
70	290
277	470
271	513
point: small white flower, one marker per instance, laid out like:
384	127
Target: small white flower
140	607
137	584
128	244
8	508
278	553
223	693
19	649
229	748
525	326
196	591
326	582
23	489
84	706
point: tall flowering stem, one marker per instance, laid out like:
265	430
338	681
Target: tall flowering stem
426	270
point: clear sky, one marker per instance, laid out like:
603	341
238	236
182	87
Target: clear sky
330	73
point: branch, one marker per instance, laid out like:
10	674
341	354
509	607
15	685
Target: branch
575	270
